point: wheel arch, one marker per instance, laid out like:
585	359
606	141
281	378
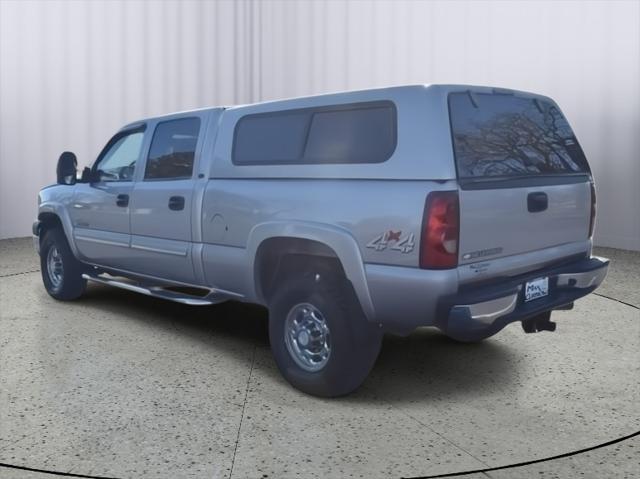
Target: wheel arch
270	242
51	215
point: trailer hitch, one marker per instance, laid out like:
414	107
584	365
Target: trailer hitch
541	322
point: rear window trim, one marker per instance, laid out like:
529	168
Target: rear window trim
504	182
498	182
362	105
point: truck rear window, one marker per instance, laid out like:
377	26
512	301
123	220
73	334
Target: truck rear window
502	135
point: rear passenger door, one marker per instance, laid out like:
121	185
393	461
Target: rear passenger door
162	201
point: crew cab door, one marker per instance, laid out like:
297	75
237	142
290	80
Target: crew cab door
100	209
162	200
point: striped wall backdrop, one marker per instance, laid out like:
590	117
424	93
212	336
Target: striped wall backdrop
72	72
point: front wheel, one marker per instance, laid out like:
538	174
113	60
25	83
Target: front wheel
320	338
61	271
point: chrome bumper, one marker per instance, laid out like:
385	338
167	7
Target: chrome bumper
488	311
566	284
584	280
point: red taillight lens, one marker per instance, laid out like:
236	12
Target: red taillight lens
592	221
440	231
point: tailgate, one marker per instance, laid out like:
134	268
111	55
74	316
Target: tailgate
499	222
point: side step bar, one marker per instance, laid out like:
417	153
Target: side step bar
212	297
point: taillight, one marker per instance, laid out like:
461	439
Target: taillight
592	221
440	231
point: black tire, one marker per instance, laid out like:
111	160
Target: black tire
354	341
69	284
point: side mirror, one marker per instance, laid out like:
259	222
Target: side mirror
87	176
66	169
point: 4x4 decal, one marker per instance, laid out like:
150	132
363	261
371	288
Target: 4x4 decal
394	241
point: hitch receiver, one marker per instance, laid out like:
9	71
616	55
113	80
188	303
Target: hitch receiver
541	322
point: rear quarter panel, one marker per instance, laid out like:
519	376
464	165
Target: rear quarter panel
366	209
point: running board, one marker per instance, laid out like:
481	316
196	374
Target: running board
213	297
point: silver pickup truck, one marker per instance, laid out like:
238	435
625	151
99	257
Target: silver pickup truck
347	215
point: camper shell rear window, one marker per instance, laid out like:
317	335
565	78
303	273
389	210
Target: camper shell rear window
354	133
497	135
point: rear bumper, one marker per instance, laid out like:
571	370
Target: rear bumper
482	310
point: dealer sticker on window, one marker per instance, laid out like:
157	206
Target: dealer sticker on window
536	289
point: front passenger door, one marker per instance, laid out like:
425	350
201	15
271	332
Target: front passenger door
100	210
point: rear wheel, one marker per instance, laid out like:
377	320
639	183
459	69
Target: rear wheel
320	338
61	271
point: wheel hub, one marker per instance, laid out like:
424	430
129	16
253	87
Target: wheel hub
303	338
307	337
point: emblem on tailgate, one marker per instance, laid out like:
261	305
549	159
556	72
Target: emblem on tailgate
394	241
482	253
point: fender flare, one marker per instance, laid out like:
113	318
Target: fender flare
338	239
60	211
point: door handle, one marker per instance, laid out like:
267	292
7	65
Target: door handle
537	201
122	200
176	203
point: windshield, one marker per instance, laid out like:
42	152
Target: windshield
501	135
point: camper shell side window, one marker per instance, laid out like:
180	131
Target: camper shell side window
339	134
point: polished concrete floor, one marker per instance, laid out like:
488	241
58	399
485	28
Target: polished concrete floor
127	386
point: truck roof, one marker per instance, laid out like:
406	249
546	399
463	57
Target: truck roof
344	96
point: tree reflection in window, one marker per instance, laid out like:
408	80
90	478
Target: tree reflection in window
504	135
